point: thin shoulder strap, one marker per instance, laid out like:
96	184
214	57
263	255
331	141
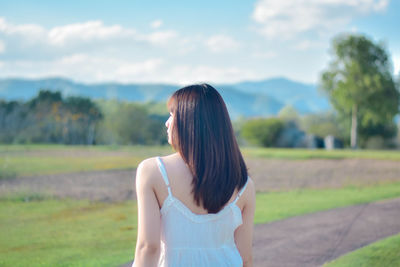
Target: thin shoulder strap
164	174
241	191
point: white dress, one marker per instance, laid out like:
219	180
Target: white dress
198	240
189	239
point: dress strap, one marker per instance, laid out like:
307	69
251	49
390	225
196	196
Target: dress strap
241	191
164	174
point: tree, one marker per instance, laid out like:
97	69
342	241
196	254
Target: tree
322	124
359	83
289	113
264	132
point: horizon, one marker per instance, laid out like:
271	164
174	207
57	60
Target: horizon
149	83
174	43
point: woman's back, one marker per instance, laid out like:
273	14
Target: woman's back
189	209
193	239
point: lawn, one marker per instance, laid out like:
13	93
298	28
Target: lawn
49	232
385	252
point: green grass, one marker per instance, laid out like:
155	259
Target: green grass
385	252
41	231
48	232
282	153
29	160
280	205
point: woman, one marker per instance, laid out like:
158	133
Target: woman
196	207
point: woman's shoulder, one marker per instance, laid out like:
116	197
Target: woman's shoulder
149	169
147	172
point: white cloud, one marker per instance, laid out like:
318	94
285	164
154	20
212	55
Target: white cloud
91	30
159	37
156	24
286	19
74	59
264	55
126	70
31	33
86	68
82	34
188	74
24	29
221	43
2	47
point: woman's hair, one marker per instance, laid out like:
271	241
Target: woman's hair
202	133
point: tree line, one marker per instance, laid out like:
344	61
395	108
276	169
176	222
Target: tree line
50	118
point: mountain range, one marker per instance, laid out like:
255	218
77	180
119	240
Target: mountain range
248	99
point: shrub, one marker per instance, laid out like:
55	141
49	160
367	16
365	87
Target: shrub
264	132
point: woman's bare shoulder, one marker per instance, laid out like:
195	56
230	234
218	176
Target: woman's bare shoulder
147	172
148	169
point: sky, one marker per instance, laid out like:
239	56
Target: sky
183	42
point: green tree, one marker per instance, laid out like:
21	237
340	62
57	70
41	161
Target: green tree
360	85
264	132
322	124
130	123
289	113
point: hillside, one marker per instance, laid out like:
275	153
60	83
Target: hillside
249	99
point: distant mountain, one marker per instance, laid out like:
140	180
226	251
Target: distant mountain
25	89
304	97
240	103
249	99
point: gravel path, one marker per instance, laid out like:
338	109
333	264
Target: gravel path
314	239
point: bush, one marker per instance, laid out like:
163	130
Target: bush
264	132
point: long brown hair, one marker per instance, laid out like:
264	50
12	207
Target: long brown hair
203	135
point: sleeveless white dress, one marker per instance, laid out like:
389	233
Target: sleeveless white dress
189	239
198	240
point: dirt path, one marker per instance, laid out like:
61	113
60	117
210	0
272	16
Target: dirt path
114	185
278	174
268	175
314	239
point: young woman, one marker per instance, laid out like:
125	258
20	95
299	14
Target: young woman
196	207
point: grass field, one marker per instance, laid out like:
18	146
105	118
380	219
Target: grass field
43	231
294	154
385	252
49	232
66	233
28	160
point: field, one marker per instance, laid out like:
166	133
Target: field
75	206
382	253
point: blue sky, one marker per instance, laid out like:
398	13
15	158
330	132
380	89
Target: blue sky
184	42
